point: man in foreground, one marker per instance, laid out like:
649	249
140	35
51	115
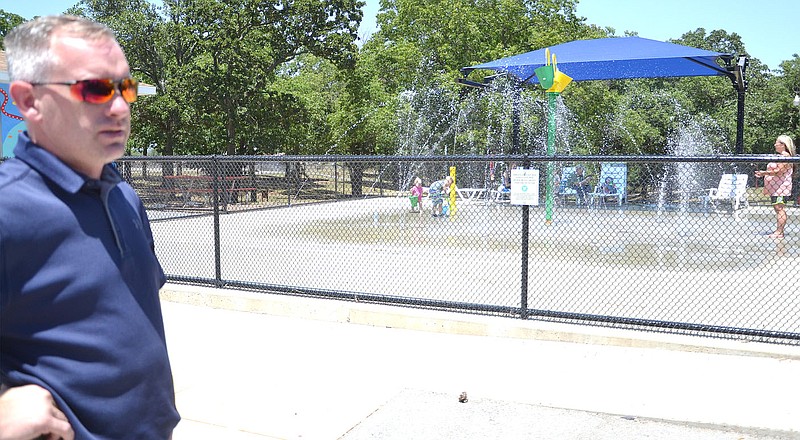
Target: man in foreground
82	347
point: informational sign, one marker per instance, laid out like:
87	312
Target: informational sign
524	187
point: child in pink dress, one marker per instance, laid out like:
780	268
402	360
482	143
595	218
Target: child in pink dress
416	191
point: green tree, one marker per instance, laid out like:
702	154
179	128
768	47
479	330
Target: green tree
213	64
256	77
8	21
781	113
418	51
717	98
244	43
158	51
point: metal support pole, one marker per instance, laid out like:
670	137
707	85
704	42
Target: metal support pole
736	73
740	121
524	273
215	202
551	151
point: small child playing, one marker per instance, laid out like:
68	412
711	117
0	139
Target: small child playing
608	186
416	191
437	192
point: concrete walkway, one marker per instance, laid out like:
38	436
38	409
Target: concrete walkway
256	366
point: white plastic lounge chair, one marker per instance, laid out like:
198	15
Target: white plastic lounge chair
732	187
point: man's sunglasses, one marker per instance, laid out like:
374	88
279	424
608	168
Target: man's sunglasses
99	91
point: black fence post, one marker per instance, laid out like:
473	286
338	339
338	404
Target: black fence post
524	275
215	202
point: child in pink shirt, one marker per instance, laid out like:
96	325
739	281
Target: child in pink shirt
416	191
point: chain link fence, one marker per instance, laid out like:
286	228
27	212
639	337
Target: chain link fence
675	244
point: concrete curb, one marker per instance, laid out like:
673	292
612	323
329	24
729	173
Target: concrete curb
460	323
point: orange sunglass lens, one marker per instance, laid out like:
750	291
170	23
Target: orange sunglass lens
100	91
94	91
129	89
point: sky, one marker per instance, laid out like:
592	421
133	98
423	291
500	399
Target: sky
769	31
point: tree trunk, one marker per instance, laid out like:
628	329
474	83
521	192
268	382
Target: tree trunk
356	178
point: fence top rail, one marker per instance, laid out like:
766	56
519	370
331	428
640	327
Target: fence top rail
472	158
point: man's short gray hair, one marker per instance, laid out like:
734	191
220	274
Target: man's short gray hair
28	50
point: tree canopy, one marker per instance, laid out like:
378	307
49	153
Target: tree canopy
268	76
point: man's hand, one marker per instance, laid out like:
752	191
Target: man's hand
29	412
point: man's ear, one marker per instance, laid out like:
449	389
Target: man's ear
24	98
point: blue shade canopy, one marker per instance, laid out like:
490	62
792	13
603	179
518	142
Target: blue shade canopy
612	58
